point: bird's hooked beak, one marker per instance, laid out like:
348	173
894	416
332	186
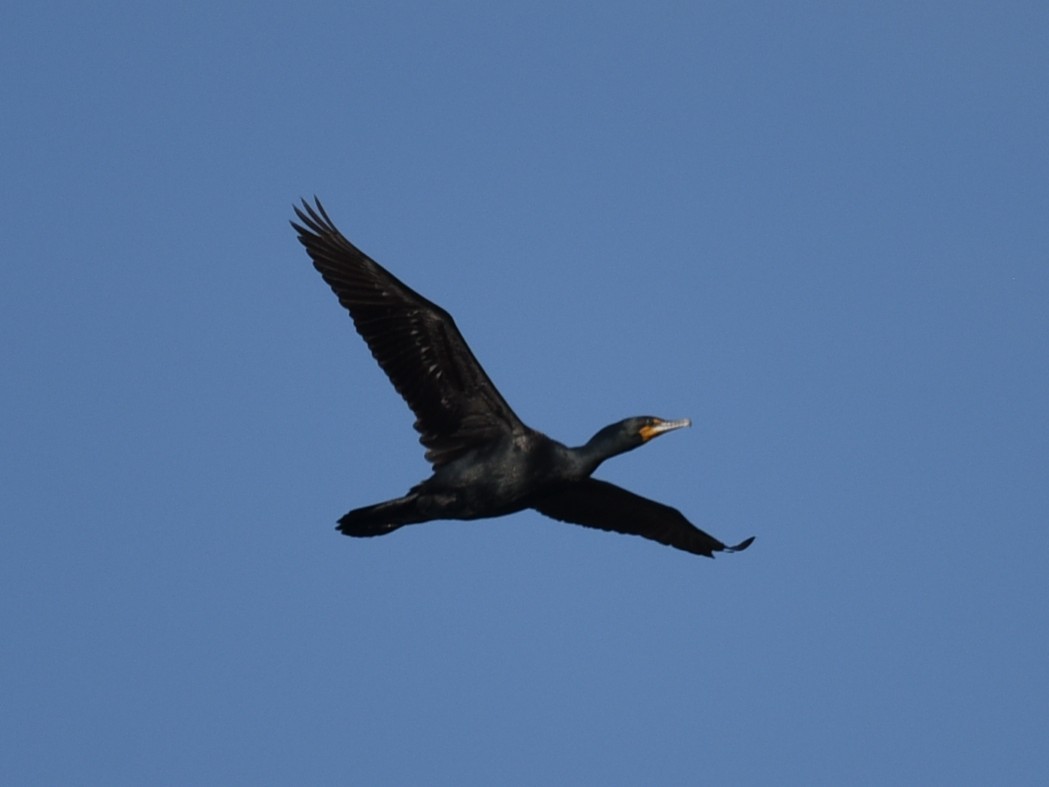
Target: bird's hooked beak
659	426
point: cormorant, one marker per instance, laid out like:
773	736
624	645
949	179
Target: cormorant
486	462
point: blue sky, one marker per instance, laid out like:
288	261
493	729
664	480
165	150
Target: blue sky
819	231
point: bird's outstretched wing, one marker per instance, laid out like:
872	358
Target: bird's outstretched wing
415	342
606	506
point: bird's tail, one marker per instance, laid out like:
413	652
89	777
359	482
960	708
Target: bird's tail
381	518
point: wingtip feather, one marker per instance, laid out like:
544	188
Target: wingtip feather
741	545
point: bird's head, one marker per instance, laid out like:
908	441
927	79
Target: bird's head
628	434
646	427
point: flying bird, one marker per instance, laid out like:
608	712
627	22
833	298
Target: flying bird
486	462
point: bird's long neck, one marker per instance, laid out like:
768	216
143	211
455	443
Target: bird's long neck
603	445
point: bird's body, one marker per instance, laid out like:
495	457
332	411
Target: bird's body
486	461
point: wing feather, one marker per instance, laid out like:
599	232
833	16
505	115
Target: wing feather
414	340
602	505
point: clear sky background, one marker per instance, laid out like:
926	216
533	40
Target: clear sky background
820	230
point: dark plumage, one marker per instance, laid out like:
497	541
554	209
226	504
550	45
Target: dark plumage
486	462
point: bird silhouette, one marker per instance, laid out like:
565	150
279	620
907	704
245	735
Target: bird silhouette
485	461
